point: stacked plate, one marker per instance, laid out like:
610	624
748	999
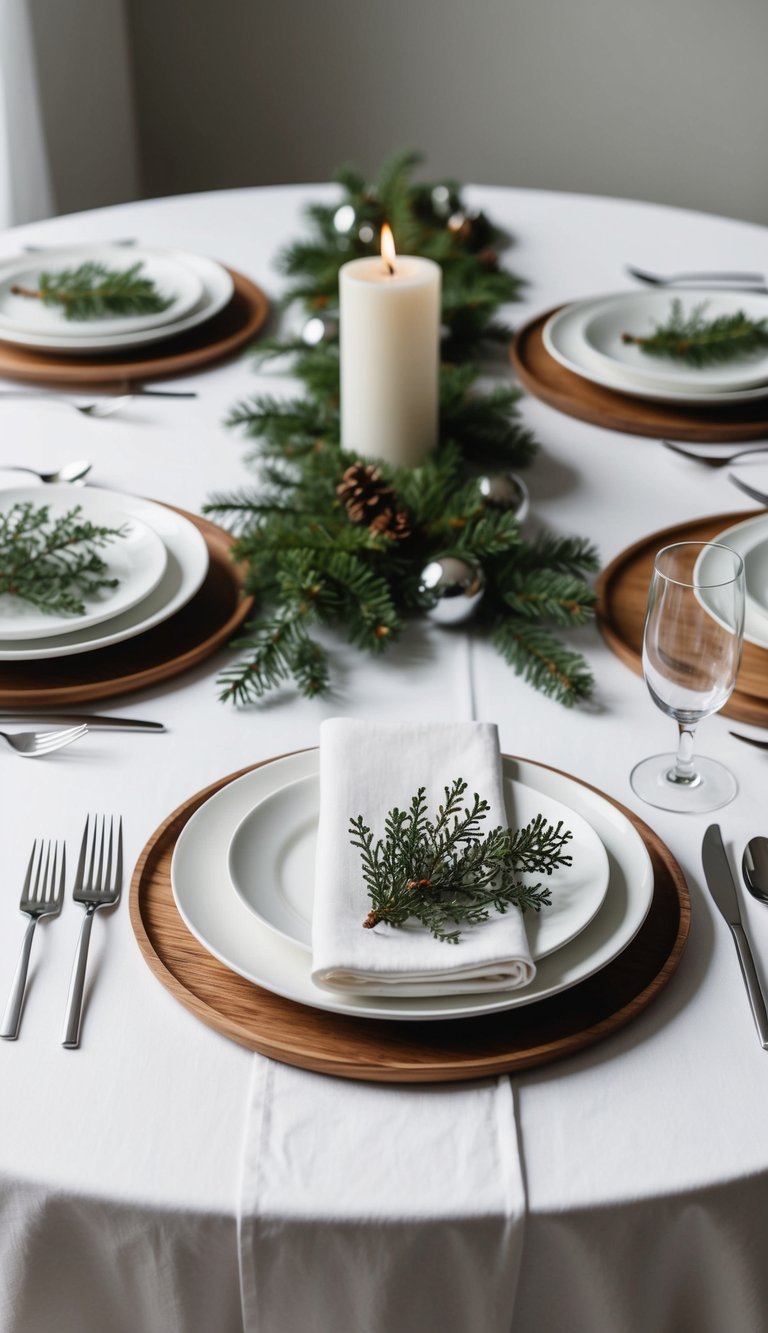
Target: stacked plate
750	540
159	563
587	338
197	289
243	870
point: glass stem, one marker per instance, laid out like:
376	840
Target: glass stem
684	771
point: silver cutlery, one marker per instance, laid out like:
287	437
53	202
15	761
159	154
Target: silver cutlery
93	721
69	472
42	895
754	868
721	460
721	885
31	744
99	407
98	881
45	249
752	491
749	740
660	280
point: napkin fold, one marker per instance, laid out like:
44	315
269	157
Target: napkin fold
366	768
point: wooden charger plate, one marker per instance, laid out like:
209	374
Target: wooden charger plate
546	379
622	598
214	339
206	623
395	1052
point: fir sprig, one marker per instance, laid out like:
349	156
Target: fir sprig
93	290
447	871
53	563
698	341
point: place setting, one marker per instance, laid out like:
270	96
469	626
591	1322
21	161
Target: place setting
100	314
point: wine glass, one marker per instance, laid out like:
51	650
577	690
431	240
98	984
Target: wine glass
692	642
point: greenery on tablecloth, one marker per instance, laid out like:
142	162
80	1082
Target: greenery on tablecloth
329	541
52	563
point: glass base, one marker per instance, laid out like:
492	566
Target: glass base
715	785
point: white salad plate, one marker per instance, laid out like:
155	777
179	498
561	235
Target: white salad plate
229	930
272	865
749	539
137	559
641	312
563	337
185	570
217	290
22	314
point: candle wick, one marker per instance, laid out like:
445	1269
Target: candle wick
391	268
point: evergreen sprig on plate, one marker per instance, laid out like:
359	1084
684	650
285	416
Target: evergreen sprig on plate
92	291
310	562
699	341
53	562
447	871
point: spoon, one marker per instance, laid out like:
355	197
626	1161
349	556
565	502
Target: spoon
754	867
70	472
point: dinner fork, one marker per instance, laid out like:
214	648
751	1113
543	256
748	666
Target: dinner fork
658	280
30	744
752	491
720	460
42	895
98	880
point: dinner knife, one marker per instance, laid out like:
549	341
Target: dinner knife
723	890
92	720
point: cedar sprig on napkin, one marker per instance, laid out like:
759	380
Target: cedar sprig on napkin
447	871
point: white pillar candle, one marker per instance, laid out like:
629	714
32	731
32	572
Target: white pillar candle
390	356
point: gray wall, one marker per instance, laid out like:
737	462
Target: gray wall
665	100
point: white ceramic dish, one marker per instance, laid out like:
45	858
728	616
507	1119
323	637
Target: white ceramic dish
217	289
272	865
223	924
185	570
137	560
748	539
563	338
22	314
756	577
639	313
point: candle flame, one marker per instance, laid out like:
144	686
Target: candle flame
388	251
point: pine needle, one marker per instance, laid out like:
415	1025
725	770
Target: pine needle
53	563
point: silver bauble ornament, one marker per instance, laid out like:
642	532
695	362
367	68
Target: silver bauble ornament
319	329
505	490
366	233
344	219
454	585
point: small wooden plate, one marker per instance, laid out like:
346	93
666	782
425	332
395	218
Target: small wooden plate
390	1052
546	379
214	339
206	623
622	599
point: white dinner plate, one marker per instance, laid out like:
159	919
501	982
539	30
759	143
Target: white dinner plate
218	918
137	559
640	313
272	865
218	287
749	539
563	338
185	570
22	314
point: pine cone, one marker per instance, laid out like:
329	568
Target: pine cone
370	501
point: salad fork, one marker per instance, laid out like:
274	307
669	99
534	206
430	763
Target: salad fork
98	881
42	895
30	744
720	460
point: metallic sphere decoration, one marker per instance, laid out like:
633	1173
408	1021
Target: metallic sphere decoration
319	329
455	585
505	490
366	233
344	219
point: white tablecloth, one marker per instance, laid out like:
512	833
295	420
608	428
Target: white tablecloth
633	1176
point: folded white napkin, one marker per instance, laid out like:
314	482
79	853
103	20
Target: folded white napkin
366	768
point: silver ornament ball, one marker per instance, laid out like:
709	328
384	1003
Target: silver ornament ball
319	329
344	219
505	490
454	586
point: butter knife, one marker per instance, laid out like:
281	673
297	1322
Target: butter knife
92	720
721	885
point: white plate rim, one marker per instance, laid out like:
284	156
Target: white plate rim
187	564
629	897
94	511
558	324
755	618
552	812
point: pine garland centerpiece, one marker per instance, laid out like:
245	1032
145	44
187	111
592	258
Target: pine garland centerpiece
330	540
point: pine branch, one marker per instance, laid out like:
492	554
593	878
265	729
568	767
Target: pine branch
539	658
701	342
92	291
447	871
53	563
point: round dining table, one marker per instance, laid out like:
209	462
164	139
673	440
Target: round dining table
162	1178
